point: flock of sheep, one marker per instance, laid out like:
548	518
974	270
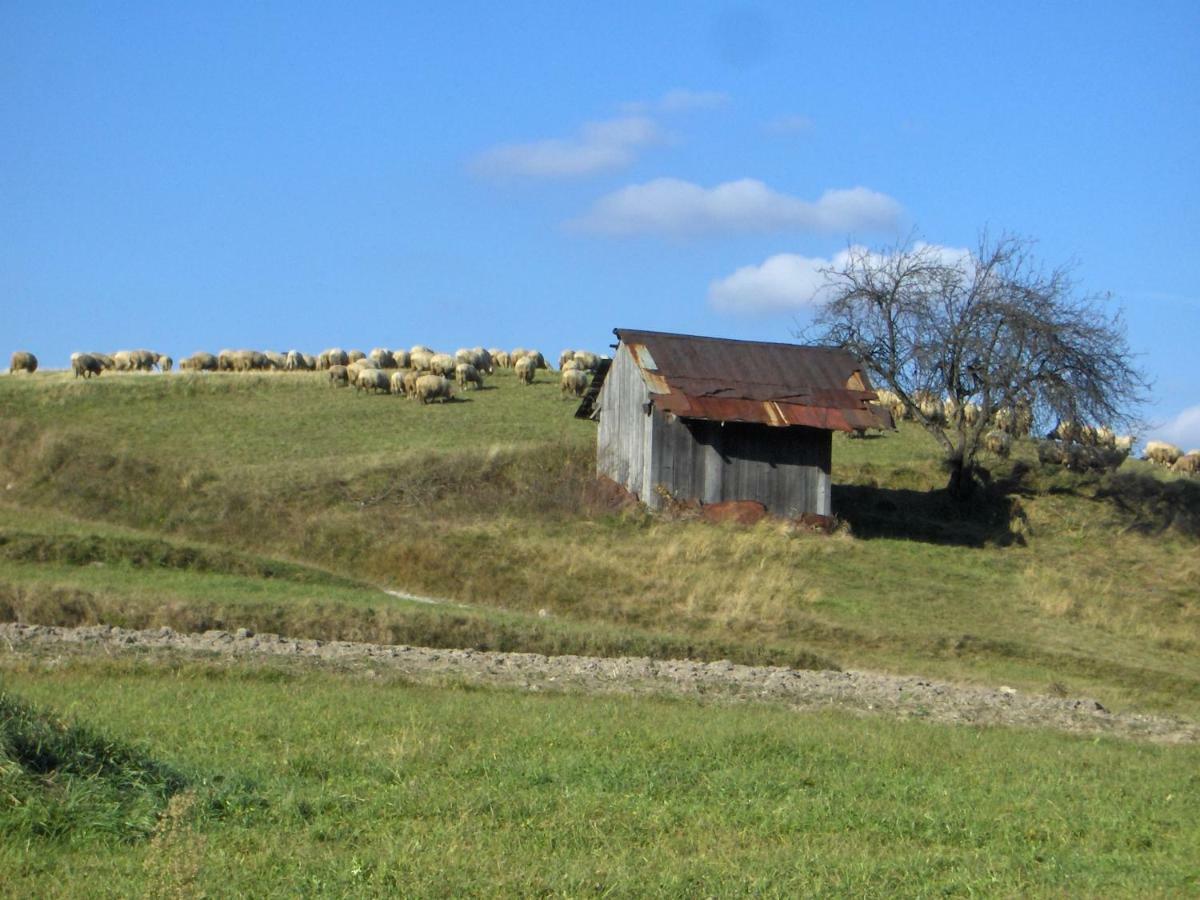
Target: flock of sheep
1068	444
420	373
424	374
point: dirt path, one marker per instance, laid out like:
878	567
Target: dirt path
864	692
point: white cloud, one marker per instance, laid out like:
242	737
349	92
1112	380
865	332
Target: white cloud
788	282
784	282
1183	430
598	147
790	125
678	100
671	206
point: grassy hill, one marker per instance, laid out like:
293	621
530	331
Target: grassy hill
276	502
280	504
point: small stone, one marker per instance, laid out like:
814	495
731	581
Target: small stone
1005	689
244	633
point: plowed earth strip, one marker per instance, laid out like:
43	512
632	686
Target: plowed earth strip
861	692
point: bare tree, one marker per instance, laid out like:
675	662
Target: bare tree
992	329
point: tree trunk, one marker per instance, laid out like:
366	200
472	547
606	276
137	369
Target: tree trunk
962	478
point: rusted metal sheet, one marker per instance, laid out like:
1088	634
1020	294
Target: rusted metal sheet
754	381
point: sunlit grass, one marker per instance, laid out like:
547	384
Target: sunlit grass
347	785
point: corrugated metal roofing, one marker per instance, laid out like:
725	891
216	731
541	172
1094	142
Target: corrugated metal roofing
754	381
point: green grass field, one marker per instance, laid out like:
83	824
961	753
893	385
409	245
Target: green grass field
306	783
278	503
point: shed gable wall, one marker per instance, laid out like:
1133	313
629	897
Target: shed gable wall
624	426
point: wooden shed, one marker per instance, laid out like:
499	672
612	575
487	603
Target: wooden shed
714	420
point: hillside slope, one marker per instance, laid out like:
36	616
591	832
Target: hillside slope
277	503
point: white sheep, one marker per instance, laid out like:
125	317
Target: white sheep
1161	453
525	367
1188	464
84	365
998	442
465	374
434	387
574	382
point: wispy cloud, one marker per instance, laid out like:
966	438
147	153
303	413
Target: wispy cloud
788	282
598	147
678	100
1183	430
790	125
670	206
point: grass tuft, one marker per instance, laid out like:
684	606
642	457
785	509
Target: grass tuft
61	780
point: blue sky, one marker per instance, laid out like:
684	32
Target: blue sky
277	175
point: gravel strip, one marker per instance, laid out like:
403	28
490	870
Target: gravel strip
865	692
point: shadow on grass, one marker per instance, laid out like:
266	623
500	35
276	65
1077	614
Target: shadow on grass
1152	506
992	517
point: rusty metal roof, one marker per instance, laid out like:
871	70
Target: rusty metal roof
754	381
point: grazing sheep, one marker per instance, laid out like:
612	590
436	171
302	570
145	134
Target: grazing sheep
360	365
442	364
1079	458
539	361
336	356
294	361
1124	443
486	364
525	367
421	359
164	362
501	359
224	360
401	358
892	403
356	355
372	380
250	361
383	358
515	355
396	381
998	442
565	357
339	376
465	373
1188	464
275	360
410	383
1161	453
1017	420
420	348
588	360
434	387
84	365
573	382
22	361
198	362
135	360
931	407
571	365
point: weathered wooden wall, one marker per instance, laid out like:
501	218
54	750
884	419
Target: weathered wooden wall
785	469
624	424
